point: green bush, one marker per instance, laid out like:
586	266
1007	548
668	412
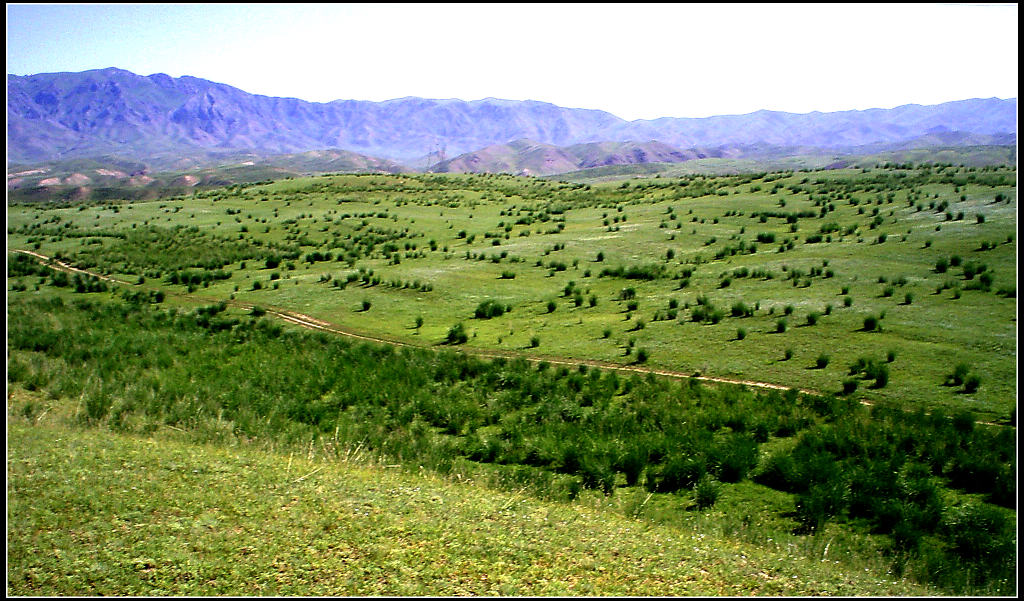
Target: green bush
979	533
678	472
732	458
879	372
457	334
959	374
706	492
489	309
820	502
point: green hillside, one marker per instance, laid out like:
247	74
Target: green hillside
92	513
813	365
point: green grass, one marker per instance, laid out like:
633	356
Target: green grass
219	375
302	216
422	247
93	513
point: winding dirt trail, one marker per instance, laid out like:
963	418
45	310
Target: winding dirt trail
317	324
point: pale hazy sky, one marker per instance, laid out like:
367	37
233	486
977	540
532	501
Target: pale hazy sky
637	61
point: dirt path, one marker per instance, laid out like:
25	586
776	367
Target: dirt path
316	324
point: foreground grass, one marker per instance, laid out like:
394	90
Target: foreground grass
91	512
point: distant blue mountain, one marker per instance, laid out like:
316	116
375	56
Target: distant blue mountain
116	112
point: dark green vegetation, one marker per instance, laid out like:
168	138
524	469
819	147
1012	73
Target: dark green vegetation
905	484
862	284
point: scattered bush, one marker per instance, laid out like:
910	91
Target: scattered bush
490	309
457	334
706	492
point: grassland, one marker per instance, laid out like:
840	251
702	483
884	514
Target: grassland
690	275
94	513
437	246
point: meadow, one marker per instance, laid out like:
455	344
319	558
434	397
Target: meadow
875	305
764	277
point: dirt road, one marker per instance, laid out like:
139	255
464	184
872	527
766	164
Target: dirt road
312	323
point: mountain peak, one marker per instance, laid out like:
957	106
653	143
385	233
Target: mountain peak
114	111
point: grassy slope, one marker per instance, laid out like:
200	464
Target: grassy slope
96	513
929	336
975	156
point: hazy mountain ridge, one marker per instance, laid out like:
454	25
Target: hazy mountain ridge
116	112
527	157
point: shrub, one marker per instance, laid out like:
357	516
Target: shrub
457	334
978	532
818	504
597	472
780	326
958	376
741	333
971	383
632	463
871	324
534	341
849	386
642	355
879	372
733	457
740	309
489	309
705	492
676	473
822	361
551	306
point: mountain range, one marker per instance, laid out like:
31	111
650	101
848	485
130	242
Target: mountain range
170	121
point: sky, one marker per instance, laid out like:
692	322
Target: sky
636	61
